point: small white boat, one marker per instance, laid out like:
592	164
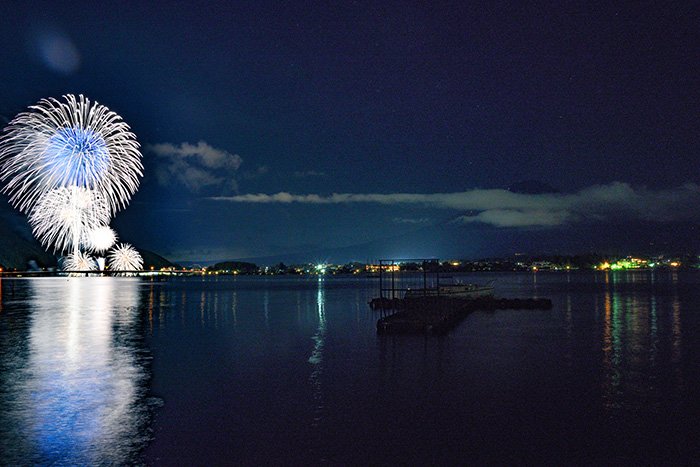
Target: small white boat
466	291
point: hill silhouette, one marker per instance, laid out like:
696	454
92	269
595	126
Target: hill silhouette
20	251
17	245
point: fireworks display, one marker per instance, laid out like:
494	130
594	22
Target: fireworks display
62	218
100	239
70	165
73	143
79	261
125	258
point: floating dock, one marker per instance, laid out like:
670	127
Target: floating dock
440	314
411	299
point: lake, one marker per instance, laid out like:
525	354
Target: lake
290	370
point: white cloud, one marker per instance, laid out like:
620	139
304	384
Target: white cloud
475	199
503	208
515	218
410	220
197	166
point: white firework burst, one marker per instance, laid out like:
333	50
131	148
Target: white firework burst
69	143
79	261
125	258
100	239
63	217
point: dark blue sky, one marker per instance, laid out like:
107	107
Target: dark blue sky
366	99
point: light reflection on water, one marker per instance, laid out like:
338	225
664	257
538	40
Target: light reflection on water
633	350
290	370
605	371
316	358
77	393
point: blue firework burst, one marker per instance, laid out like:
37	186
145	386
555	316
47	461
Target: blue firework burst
69	143
76	157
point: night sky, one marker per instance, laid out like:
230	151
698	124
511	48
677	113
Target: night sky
352	131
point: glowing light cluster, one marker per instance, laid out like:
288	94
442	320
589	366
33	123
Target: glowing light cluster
79	261
125	258
62	218
100	239
70	165
637	263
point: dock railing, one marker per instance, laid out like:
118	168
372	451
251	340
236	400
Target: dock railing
398	276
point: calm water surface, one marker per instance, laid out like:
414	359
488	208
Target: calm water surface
291	371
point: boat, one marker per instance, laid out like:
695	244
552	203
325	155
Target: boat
457	290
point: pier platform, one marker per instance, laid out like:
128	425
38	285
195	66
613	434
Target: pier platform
438	315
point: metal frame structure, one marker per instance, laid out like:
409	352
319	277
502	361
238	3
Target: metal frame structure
398	282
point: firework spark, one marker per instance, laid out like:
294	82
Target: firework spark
79	261
100	239
63	217
125	258
69	143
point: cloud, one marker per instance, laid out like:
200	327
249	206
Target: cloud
475	199
515	218
502	208
410	220
197	166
